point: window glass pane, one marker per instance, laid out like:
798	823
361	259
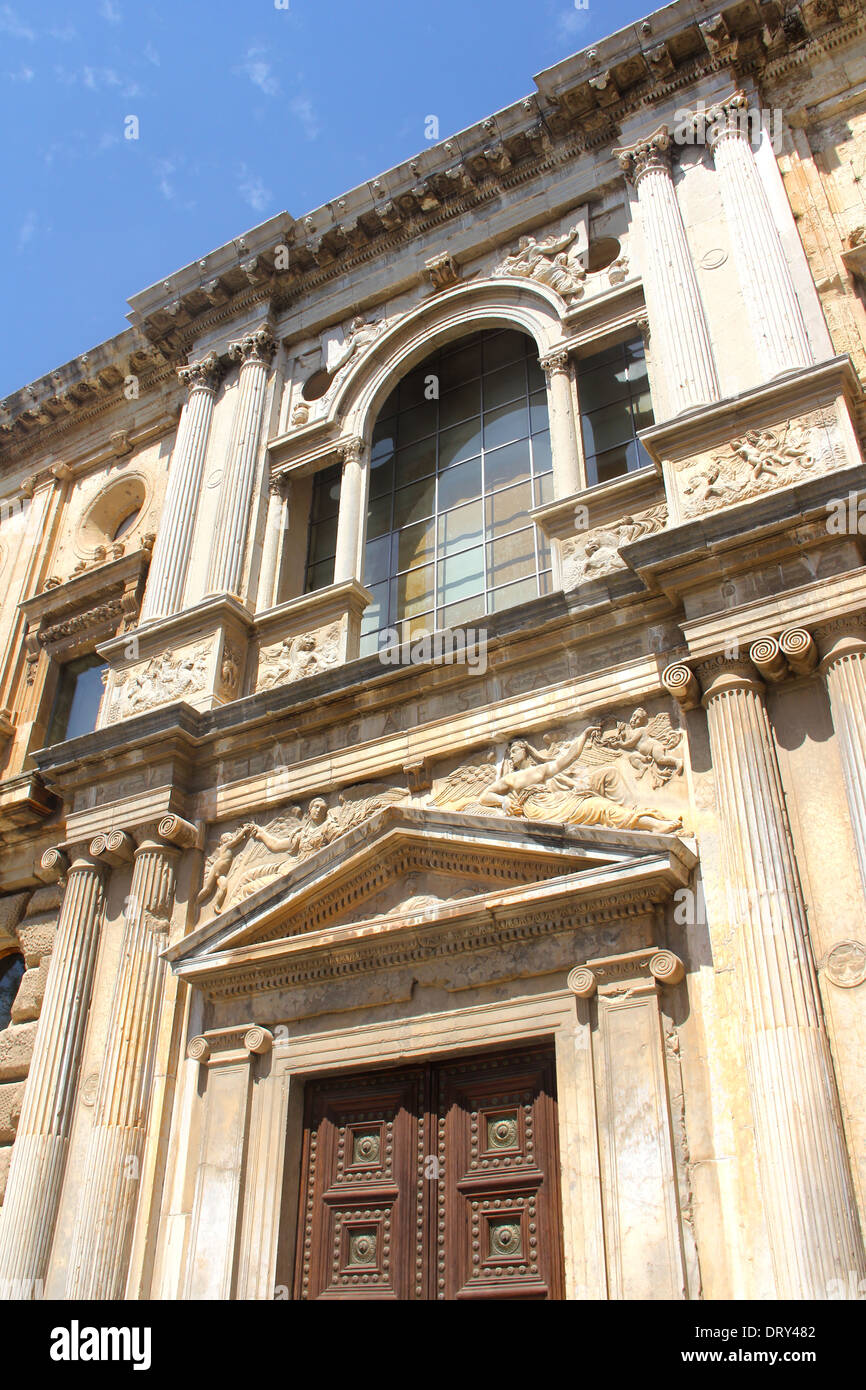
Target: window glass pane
414	388
507	423
635	355
460	404
369	643
379	517
545	582
601	387
384	439
599	359
460	366
512	557
613	463
461	527
544	489
326	493
377	560
319	576
609	426
521	592
506	511
460	442
415	544
462	612
643	411
413	503
76	705
461	576
415	462
501	348
542	458
460	484
413	592
538	411
417	423
323	539
505	385
381	475
376	614
507	465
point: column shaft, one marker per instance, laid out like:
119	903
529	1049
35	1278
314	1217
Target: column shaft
233	512
171	551
275	534
39	1155
563	426
808	1195
844	669
776	319
676	310
353	501
104	1225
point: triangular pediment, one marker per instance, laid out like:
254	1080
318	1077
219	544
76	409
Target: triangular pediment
410	870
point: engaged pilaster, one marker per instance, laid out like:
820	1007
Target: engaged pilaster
171	551
808	1197
774	310
254	352
39	1154
106	1214
674	301
563	427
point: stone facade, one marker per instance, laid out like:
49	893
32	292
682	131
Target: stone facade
634	831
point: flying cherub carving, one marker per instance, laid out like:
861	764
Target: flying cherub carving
649	744
219	864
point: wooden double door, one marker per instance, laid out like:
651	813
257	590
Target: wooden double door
435	1181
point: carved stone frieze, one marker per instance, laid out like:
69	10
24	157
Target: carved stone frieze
760	461
553	262
596	552
298	657
166	677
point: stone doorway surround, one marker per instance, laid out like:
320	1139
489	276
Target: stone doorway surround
560	942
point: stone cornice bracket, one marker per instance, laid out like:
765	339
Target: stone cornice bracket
113	847
180	832
258	1040
682	683
257	346
613	973
205	374
53	866
442	270
799	649
768	660
655	152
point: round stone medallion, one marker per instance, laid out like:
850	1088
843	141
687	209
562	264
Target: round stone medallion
846	964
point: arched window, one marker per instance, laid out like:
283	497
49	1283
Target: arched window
460	453
11	970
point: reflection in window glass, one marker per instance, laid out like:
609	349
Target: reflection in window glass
76	704
452	483
322	544
615	403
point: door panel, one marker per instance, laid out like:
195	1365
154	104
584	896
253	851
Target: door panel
438	1181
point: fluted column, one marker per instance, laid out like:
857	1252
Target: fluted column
105	1219
254	352
39	1155
563	426
171	551
676	310
353	503
808	1197
275	534
843	666
775	316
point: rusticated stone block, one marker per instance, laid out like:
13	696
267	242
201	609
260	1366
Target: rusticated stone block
37	939
16	1050
11	911
5	1159
28	1000
10	1110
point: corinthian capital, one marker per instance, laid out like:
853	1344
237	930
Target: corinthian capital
258	346
728	117
205	374
652	153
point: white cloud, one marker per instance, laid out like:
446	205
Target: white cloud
97	78
570	22
110	11
164	169
259	71
302	108
27	230
13	26
24	74
252	189
151	54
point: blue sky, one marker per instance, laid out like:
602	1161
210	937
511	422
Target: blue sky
243	109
